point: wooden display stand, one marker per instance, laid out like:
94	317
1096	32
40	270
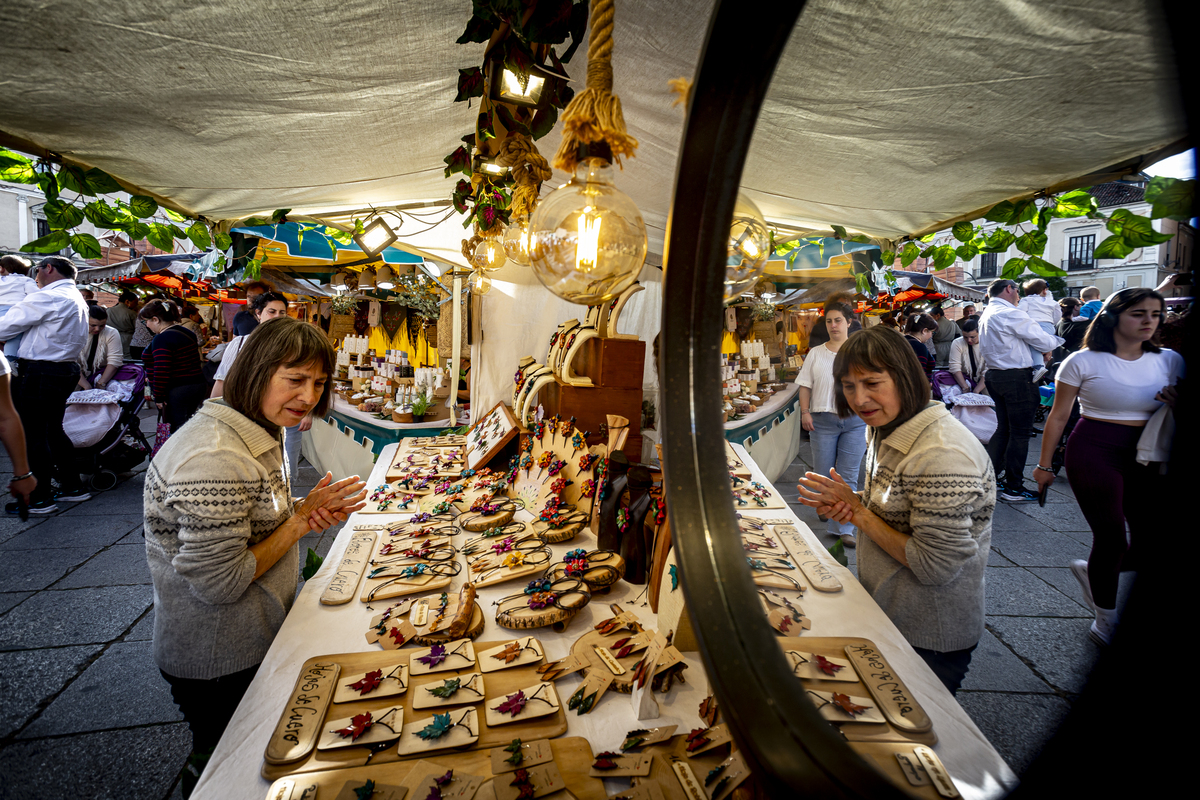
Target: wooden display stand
615	367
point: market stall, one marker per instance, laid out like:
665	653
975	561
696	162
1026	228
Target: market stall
317	629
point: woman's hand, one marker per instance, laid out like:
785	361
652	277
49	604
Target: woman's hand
818	491
1043	478
1167	395
806	421
161	406
331	502
305	424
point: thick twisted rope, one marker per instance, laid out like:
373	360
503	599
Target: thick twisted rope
594	115
529	169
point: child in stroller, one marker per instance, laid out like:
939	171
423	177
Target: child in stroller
103	452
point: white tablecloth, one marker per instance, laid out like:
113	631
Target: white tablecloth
312	630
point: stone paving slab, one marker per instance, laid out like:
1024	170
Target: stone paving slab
1064	516
10	526
64	531
25	570
29	677
144	630
134	537
995	668
73	616
119	565
1012	591
100	698
110	765
1017	725
10	599
1045	548
118	500
1059	649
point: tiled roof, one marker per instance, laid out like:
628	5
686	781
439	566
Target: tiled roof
1117	193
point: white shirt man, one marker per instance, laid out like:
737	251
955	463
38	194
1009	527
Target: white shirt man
54	321
1006	332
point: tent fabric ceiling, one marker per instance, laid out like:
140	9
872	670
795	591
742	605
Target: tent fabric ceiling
886	117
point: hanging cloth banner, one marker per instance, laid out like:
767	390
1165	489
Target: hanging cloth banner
392	318
360	318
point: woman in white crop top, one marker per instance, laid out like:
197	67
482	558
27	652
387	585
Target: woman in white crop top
1121	378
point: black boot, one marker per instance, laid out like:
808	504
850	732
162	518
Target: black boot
608	535
633	538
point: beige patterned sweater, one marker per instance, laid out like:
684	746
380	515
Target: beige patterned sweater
218	485
931	479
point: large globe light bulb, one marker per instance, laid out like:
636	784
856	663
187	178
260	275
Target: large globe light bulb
489	254
480	283
516	240
587	240
749	245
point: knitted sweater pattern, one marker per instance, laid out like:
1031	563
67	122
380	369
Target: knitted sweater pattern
933	480
218	485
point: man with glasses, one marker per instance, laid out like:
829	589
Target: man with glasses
54	321
1005	335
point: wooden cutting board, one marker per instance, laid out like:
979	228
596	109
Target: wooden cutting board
498	685
572	756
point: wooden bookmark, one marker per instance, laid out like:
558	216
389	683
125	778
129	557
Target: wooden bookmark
895	700
702	740
344	582
810	562
300	723
937	772
616	765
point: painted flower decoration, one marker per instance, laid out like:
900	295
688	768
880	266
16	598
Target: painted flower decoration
505	545
589	488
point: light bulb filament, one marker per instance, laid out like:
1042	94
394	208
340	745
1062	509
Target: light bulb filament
588	247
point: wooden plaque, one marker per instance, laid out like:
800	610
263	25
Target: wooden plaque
300	723
344	582
895	700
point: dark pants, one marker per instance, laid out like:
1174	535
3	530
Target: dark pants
1112	489
208	705
950	667
1016	401
182	402
40	394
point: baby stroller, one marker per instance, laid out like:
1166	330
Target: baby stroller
122	445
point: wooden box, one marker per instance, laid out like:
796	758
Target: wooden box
590	405
613	362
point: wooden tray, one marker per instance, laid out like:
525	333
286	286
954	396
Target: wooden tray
498	685
835	646
882	756
572	755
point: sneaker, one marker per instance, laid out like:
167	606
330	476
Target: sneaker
1038	374
1101	635
36	507
1018	496
1079	570
73	496
848	540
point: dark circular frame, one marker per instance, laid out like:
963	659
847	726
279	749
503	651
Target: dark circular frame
790	747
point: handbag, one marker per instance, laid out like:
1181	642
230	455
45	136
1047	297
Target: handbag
162	432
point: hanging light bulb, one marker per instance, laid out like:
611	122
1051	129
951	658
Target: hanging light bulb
489	254
384	278
516	240
480	283
749	245
338	282
587	240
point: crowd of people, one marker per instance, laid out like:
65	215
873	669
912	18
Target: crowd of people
922	521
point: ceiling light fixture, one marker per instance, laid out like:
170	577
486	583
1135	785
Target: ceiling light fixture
375	238
384	279
521	88
367	279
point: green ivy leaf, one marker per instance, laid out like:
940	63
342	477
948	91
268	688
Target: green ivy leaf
100	214
1001	212
862	284
928	251
839	232
484	125
510	122
448	688
174	215
199	235
966	251
1073	204
222	240
479	29
909	254
16	168
1013	268
61	216
73	180
52	242
1171	198
928	237
943	257
1032	243
85	245
999	241
1011	213
312	563
543	121
161	236
838	551
861	238
963	231
1113	247
48	183
1043	218
888	256
142	206
338	235
279	215
1042	267
255	222
100	182
1136	230
470	84
889	277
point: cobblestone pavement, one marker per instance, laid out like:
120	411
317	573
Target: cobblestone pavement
86	713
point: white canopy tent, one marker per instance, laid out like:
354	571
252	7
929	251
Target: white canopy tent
890	118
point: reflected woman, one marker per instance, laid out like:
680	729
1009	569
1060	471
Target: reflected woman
925	513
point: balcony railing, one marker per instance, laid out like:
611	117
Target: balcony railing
1072	264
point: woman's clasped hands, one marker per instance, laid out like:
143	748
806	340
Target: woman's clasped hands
832	497
332	502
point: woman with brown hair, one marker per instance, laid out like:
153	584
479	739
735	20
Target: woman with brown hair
1121	378
172	363
919	331
925	514
222	527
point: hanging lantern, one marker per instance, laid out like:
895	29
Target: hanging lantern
516	240
489	254
376	237
338	282
749	247
480	283
587	240
366	280
384	278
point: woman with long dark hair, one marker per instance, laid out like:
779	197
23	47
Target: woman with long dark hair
173	363
1121	378
924	515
